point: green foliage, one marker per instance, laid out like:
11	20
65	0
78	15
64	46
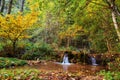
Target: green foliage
115	65
45	48
70	48
7	51
70	18
19	74
1	46
108	75
38	50
114	68
118	47
9	62
99	46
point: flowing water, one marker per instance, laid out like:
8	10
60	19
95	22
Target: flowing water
83	69
70	67
73	68
65	60
67	67
93	60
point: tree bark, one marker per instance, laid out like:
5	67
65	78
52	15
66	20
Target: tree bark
68	42
2	4
108	46
115	24
114	12
10	6
22	5
14	46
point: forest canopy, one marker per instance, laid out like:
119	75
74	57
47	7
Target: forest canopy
80	24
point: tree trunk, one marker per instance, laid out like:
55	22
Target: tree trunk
59	42
22	5
68	42
2	4
115	24
115	11
108	46
10	6
14	46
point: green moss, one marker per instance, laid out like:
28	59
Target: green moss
19	74
8	62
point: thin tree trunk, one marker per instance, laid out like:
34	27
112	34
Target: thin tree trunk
22	5
14	46
114	11
10	6
108	46
2	4
115	24
68	42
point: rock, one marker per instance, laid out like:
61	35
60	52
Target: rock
31	62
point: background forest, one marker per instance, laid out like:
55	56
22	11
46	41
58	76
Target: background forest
43	30
30	26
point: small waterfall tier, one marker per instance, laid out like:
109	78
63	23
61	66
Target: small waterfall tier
93	60
65	60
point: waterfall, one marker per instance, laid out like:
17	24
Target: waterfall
93	60
66	60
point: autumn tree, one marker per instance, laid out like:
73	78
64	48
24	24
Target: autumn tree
114	12
70	33
14	27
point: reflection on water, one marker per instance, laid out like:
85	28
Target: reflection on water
69	68
65	67
73	68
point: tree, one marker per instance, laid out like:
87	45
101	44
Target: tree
114	13
70	33
10	6
22	5
97	20
14	27
2	4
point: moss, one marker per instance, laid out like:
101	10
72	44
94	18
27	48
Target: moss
8	62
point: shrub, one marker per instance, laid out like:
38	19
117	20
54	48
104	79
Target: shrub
1	46
108	75
27	56
19	74
114	73
115	65
7	51
8	62
34	51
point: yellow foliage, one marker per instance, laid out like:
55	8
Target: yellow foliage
33	5
70	32
13	27
93	7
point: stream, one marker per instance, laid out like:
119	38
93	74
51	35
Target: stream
73	68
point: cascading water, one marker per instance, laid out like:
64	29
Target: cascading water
93	60
65	60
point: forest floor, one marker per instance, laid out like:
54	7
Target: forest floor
58	75
53	71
